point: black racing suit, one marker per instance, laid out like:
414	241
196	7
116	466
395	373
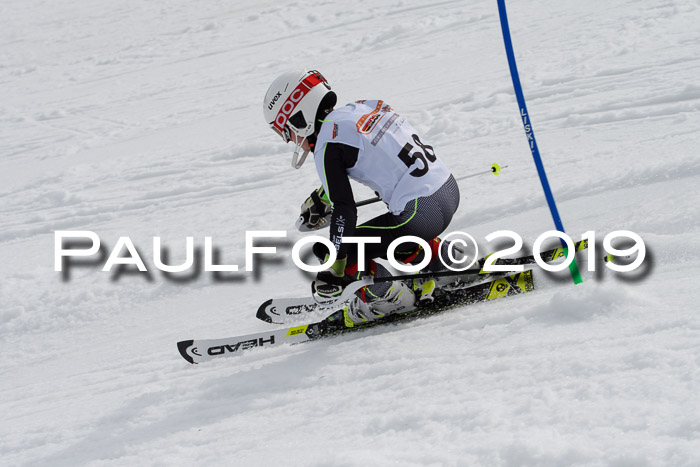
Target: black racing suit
425	217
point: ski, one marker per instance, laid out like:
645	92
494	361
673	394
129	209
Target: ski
299	309
197	351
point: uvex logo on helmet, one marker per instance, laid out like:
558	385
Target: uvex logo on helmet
274	99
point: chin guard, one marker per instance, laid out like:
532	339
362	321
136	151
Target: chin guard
296	161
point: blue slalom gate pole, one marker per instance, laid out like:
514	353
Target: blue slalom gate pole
527	123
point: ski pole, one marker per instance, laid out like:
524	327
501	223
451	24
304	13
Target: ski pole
495	169
527	125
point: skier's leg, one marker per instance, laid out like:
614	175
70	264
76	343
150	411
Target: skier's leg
425	218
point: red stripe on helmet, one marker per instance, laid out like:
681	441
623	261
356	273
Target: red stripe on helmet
303	88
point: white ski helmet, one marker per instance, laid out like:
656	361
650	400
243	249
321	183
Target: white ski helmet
292	103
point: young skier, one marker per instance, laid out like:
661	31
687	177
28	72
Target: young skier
369	142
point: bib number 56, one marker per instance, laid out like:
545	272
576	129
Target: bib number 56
409	158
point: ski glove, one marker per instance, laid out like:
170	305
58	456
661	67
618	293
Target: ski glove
315	212
331	282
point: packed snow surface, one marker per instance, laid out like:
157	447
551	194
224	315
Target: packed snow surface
144	119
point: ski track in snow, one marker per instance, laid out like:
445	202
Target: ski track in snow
143	119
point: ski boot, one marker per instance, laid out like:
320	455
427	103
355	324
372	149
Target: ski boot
424	289
398	299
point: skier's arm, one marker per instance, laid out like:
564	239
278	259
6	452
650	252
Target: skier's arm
337	158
